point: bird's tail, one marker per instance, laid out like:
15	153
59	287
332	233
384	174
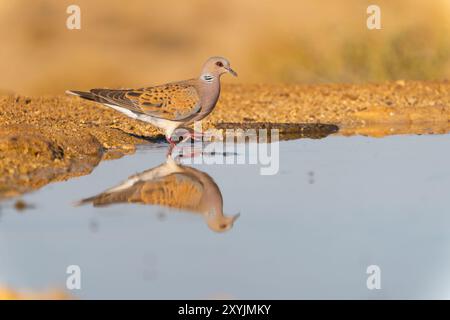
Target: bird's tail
107	198
83	94
83	202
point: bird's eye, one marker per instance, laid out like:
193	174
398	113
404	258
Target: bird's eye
219	64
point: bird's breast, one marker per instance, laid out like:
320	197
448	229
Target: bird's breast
208	99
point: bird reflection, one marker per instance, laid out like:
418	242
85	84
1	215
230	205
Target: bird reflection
172	185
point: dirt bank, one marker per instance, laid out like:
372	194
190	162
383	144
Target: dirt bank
45	139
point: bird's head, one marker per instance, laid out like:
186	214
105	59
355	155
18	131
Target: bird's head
221	223
216	66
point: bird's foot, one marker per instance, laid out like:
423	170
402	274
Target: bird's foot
172	145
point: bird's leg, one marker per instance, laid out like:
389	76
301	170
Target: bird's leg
171	142
171	145
169	150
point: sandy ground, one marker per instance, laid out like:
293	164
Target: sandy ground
53	138
11	294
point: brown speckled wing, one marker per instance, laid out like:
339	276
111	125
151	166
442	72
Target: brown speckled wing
177	190
173	101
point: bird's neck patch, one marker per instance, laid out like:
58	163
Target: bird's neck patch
207	77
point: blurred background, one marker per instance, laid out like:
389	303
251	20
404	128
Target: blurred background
145	42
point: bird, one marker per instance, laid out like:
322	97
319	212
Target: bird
171	185
168	106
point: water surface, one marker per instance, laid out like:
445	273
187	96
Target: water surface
336	206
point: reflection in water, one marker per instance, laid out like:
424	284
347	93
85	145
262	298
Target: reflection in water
21	205
171	185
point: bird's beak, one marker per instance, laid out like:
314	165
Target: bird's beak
232	71
236	216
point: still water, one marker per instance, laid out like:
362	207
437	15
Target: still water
337	206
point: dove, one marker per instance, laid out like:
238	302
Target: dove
171	185
168	106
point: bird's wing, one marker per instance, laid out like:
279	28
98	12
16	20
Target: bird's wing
172	101
176	190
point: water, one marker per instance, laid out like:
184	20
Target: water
336	206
